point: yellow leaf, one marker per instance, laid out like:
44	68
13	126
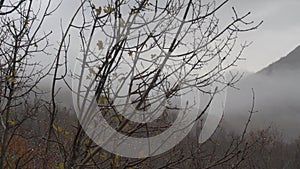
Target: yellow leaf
61	166
98	10
11	122
54	126
106	10
146	5
59	129
103	156
122	23
26	21
100	45
67	133
116	160
153	56
115	118
91	70
13	80
102	99
87	141
126	127
90	151
130	53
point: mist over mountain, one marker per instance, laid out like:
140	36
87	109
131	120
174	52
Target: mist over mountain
285	66
277	98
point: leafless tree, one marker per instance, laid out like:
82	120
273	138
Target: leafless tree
21	40
146	53
7	7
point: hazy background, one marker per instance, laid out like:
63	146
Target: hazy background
276	88
277	98
275	38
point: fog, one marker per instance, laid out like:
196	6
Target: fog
277	98
276	101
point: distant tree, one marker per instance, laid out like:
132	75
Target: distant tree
21	40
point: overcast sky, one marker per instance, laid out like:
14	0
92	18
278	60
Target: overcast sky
279	34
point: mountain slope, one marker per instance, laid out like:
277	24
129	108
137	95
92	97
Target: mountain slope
291	62
277	97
